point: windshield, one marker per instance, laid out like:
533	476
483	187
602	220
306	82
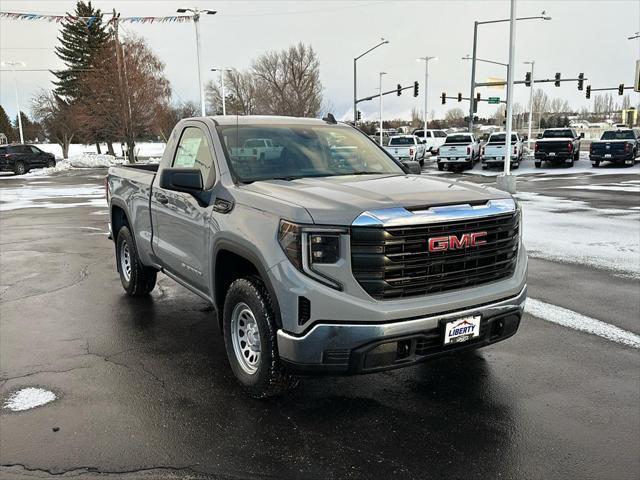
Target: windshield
617	135
458	139
500	137
557	134
402	141
298	151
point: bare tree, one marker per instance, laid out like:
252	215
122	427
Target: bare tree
455	117
169	115
240	93
58	117
288	82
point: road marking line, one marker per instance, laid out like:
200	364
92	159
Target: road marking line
569	318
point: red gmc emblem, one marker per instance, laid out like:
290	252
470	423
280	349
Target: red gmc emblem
452	242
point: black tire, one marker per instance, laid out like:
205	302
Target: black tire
20	168
516	166
576	155
268	379
485	167
595	164
570	164
421	162
538	164
139	280
440	167
51	163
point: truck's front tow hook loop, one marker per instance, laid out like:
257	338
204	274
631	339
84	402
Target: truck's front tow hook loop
222	206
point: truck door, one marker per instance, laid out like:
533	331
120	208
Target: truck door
181	234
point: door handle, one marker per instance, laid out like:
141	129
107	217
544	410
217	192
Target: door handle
162	198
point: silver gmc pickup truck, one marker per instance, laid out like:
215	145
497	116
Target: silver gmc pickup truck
329	258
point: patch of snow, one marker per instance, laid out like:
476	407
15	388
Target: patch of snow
607	188
571	231
49	197
28	398
577	321
143	149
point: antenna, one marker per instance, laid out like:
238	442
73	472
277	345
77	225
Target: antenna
330	119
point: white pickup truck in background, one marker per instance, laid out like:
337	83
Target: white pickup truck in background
493	152
259	148
434	138
458	149
406	147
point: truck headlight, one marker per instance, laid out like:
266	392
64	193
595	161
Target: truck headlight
311	246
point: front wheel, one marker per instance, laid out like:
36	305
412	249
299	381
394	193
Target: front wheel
19	168
249	332
51	163
136	279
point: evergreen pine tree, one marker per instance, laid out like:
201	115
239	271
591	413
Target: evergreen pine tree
81	38
5	125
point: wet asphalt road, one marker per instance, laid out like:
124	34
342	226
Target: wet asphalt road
145	390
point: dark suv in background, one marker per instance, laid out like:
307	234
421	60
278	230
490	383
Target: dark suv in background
19	159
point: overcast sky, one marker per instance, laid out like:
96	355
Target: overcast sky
583	36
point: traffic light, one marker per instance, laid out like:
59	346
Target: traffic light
581	81
444	98
459	97
557	82
415	89
399	90
477	97
359	115
588	95
527	79
621	89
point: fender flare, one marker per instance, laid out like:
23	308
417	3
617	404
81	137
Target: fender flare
250	256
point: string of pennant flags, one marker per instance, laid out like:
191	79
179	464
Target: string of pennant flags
59	18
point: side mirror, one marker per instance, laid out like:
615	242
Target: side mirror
539	135
188	180
581	134
412	166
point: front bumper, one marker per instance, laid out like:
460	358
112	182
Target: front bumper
365	347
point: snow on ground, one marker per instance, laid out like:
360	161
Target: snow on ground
39	196
28	398
143	149
577	321
572	231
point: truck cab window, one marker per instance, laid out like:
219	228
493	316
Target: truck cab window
194	151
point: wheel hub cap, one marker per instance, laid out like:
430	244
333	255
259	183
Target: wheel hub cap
245	337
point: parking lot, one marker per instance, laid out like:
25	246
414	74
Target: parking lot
143	388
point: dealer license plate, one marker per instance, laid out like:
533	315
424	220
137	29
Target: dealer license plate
552	154
461	330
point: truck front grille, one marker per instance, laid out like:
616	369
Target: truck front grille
395	262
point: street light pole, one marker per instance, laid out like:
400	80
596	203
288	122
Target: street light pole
426	90
196	21
532	63
355	87
542	16
15	88
508	184
381	74
222	70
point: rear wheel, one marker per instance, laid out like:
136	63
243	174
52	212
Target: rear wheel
250	339
137	280
595	164
19	168
516	165
569	164
440	167
576	155
538	164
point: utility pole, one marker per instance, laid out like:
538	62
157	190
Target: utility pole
195	13
532	63
381	74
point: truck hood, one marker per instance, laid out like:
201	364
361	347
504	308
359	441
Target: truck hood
339	200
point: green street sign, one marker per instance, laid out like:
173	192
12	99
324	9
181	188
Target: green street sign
494	100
